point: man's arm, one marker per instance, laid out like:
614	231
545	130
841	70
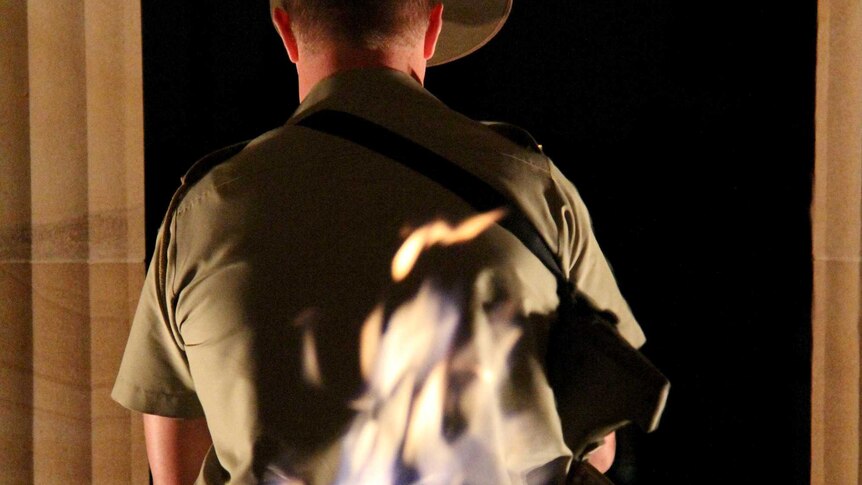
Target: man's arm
603	457
175	448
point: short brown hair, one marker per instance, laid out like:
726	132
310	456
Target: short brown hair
371	24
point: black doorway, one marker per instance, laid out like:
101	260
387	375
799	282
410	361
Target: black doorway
687	127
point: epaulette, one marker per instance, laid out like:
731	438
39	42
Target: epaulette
208	162
516	135
197	171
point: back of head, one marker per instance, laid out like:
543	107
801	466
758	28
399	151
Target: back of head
366	24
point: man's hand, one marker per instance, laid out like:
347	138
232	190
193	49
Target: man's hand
175	448
603	456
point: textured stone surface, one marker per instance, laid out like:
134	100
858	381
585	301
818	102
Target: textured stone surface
837	245
71	238
14	134
114	291
16	373
58	131
61	373
16	363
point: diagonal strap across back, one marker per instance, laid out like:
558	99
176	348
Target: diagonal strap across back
600	381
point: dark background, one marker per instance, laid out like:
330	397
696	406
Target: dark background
688	128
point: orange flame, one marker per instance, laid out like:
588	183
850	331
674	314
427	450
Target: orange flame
420	378
439	232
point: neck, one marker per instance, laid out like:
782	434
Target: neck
314	66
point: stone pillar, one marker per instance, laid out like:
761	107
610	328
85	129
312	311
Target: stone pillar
58	191
71	238
16	349
837	242
115	224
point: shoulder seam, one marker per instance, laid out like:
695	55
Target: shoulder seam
515	134
194	174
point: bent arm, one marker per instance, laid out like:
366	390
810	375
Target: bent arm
175	448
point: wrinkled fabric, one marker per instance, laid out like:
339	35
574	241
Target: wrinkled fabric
279	256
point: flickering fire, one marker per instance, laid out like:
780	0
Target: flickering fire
306	320
439	232
421	379
436	366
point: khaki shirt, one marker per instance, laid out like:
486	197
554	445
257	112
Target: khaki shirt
287	246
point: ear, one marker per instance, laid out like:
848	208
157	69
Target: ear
281	19
435	25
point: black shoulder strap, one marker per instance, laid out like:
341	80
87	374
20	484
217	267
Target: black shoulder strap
195	173
516	135
587	361
472	189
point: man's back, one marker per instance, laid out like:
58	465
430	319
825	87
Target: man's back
278	256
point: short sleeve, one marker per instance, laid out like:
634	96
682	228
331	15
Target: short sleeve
587	266
154	375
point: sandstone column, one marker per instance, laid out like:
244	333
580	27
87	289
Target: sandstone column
71	237
837	231
16	359
115	224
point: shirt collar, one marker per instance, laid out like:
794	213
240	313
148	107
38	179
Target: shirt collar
363	90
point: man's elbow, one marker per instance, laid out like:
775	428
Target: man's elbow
603	457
